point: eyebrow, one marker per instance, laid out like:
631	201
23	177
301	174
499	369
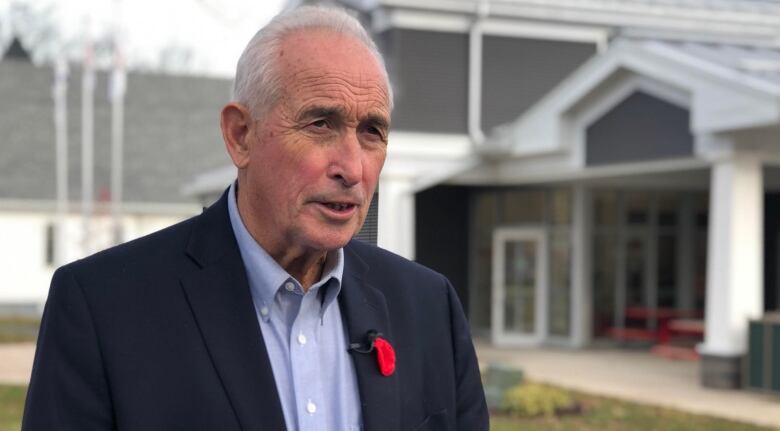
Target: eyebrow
322	111
337	111
377	120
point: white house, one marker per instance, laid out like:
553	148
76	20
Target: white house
171	134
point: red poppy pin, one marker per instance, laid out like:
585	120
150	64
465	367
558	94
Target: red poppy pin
385	354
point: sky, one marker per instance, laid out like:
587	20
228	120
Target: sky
214	32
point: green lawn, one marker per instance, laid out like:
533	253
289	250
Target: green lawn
600	414
606	414
18	329
11	405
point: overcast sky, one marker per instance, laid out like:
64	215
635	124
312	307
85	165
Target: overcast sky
213	31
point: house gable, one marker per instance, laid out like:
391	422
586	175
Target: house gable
641	127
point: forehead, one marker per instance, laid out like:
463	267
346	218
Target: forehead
321	64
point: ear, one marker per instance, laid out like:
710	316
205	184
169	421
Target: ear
236	122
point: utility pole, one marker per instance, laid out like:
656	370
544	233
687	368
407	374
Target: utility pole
117	94
60	96
87	142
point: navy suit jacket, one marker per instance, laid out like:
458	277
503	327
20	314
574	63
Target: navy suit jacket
161	334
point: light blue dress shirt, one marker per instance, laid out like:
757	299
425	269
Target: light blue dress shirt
304	336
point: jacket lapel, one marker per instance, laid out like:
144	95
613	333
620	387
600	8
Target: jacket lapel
220	299
363	308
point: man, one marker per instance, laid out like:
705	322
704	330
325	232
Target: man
261	314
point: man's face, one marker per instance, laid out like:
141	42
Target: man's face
315	157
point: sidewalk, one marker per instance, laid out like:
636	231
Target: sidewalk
636	376
16	363
630	375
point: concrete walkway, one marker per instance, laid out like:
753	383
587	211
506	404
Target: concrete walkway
16	363
630	375
636	376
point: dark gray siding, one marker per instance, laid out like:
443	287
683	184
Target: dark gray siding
771	250
441	239
517	73
429	72
641	127
368	232
171	133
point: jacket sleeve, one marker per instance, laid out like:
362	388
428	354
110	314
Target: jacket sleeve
472	412
68	389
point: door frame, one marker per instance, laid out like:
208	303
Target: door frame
499	334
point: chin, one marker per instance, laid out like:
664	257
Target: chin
330	239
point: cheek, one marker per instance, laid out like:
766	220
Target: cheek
372	167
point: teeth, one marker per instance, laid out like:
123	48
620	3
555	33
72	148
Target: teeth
338	207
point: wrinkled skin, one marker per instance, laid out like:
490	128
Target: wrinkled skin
309	167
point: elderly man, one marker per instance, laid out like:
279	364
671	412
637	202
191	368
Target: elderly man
261	313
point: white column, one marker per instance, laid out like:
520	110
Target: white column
581	303
735	287
395	223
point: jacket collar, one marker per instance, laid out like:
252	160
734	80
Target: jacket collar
363	308
219	296
218	293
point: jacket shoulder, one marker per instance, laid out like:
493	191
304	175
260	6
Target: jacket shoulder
386	266
139	256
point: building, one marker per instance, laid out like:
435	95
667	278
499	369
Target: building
171	134
568	163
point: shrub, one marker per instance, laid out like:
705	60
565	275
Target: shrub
534	399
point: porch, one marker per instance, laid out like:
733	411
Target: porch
636	376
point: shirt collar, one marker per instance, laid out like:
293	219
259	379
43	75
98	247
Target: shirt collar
264	273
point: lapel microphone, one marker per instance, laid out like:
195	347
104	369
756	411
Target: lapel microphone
368	345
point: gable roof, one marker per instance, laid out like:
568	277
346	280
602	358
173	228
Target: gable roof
171	133
710	80
16	51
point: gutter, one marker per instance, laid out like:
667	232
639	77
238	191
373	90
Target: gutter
475	74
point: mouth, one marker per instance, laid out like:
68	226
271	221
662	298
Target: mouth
338	211
340	207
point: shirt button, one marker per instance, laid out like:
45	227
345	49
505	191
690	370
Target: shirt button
311	407
301	339
264	311
290	286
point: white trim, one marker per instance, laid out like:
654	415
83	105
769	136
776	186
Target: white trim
519	175
500	336
693	20
428	145
611	98
490	26
717	101
714	69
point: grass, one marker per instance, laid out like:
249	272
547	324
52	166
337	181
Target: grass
18	329
600	414
11	406
607	414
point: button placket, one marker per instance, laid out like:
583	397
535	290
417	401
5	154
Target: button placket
307	362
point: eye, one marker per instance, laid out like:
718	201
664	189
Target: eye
374	133
320	124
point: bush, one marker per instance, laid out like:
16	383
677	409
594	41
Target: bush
534	399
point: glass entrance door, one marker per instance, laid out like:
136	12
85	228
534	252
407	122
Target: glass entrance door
519	284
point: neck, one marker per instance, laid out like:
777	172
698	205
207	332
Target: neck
305	265
306	268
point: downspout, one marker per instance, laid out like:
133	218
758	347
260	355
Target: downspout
475	75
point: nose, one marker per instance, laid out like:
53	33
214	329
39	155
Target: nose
347	161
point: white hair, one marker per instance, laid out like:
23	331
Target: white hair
258	84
